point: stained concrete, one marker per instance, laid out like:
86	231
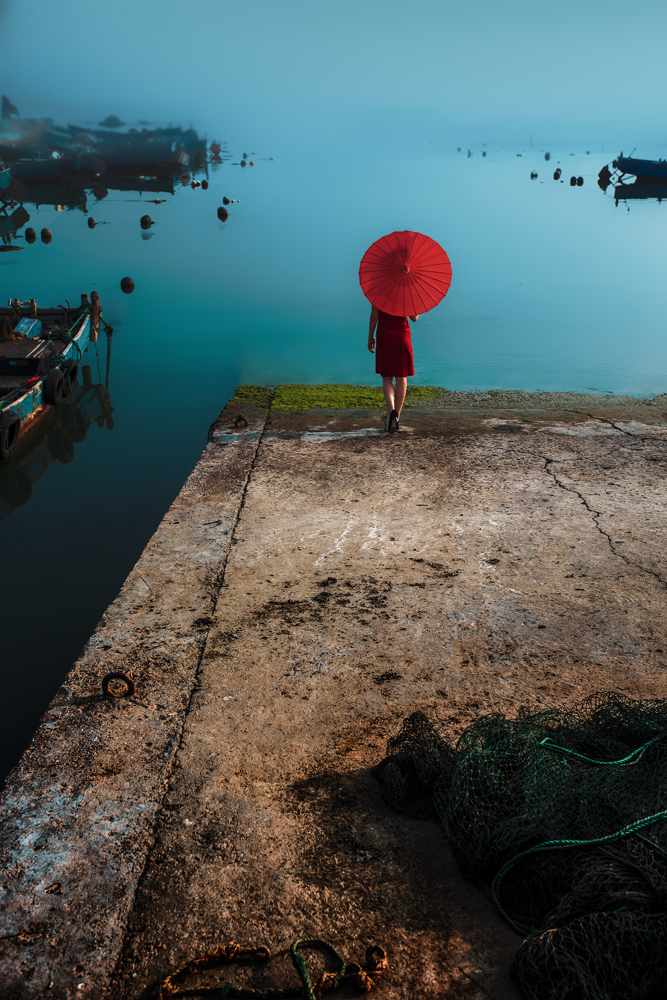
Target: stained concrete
496	552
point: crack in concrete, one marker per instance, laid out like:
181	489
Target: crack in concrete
177	743
606	420
596	514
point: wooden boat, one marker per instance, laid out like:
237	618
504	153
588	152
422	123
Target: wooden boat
40	352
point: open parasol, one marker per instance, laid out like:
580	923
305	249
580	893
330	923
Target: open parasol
405	274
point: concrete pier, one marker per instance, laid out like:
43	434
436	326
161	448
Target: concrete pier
315	581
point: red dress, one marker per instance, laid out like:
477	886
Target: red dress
393	351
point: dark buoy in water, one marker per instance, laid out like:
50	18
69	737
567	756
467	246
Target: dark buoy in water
243	163
91	223
245	156
252	163
580	182
30	235
46	235
226	201
483	152
533	175
145	222
573	182
223	214
204	185
557	174
547	156
126	285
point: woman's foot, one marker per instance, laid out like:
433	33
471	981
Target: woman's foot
393	422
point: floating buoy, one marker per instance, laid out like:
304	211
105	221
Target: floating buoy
145	222
91	223
458	149
126	285
573	182
580	181
226	201
533	175
30	235
252	163
547	156
557	174
483	152
46	235
204	185
245	156
223	214
243	163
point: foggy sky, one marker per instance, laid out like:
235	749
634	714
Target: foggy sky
524	66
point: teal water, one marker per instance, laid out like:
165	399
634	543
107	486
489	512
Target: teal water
553	288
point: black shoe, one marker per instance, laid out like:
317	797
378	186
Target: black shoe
393	421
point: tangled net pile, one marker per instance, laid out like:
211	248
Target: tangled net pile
561	817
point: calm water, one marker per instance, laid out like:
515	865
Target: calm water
553	288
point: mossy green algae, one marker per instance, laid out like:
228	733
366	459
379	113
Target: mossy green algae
252	395
295	398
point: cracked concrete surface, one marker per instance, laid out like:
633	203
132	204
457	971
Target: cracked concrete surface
484	559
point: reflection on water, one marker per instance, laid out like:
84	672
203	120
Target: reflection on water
53	439
45	164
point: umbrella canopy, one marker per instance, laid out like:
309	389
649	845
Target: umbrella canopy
405	274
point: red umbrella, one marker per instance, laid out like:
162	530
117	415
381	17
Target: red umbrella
405	274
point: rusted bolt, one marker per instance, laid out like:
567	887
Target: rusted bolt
117	675
240	420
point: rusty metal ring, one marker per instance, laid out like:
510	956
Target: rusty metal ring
241	420
118	675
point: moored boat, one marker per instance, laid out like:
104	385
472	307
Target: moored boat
40	353
635	179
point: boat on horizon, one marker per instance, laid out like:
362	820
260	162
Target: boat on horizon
650	178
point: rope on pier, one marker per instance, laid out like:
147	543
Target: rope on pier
363	980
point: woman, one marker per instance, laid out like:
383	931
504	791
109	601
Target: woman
393	359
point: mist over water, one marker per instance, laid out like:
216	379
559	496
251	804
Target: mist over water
362	112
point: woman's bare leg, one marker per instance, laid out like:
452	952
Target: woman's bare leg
401	389
388	389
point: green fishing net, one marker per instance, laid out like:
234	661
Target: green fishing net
560	816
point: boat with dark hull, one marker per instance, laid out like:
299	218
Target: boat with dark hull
634	179
40	353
